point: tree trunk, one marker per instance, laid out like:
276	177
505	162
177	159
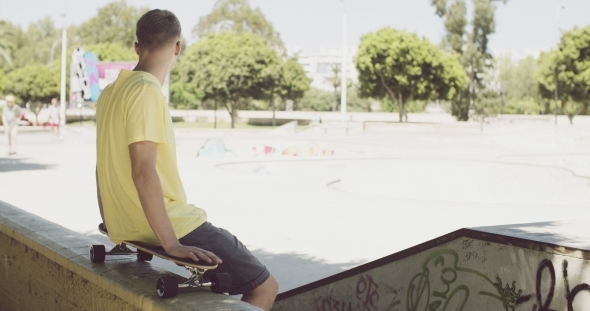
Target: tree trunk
571	115
402	108
36	110
272	102
231	108
233	117
335	101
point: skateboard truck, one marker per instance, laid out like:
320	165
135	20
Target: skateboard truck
168	286
98	253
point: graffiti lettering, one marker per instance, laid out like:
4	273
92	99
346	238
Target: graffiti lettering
470	255
544	303
467	244
427	292
508	294
329	303
367	291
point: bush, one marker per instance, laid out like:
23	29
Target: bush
315	100
412	106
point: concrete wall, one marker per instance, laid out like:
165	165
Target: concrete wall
46	267
465	273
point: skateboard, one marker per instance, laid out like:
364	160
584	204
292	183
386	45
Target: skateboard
165	286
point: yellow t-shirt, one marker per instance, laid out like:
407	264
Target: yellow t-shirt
133	109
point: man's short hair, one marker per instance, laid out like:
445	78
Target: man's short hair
157	28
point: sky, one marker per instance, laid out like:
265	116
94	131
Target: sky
309	24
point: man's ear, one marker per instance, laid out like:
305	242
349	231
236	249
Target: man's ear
136	47
177	48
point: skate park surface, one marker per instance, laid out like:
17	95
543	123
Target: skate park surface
372	194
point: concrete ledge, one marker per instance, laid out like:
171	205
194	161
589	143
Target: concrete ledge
46	267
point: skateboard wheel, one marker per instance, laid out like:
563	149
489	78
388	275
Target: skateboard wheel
221	283
144	256
97	253
167	286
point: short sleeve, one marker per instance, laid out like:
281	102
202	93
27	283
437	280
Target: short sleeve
145	116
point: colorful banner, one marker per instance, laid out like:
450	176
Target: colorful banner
109	71
93	75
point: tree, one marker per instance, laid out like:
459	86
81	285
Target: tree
41	35
335	81
112	51
6	42
232	68
183	95
34	84
518	86
472	47
570	68
316	100
400	67
294	82
244	18
356	103
114	23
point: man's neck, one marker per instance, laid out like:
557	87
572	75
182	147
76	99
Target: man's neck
155	64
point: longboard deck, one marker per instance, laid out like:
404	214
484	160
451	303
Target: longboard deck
159	252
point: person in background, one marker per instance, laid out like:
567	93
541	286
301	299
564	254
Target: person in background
11	113
54	118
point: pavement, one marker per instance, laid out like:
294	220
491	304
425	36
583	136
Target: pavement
310	216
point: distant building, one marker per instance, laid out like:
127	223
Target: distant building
535	52
516	56
318	67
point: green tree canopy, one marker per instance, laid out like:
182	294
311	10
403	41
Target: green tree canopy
7	42
231	68
472	46
518	86
316	100
243	18
570	67
112	51
34	84
41	35
114	23
400	66
293	82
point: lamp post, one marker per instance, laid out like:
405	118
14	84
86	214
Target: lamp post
63	72
53	46
343	84
561	7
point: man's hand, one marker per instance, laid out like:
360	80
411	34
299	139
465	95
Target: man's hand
194	253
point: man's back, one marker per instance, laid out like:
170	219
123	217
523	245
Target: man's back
133	109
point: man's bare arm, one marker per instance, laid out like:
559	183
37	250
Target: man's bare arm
99	199
147	182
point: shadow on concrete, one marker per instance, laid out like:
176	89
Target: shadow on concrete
11	165
293	270
573	233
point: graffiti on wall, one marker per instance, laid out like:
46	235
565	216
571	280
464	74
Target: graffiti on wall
445	282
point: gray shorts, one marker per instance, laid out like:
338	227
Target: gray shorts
246	271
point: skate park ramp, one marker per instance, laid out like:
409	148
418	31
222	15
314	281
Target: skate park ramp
533	267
